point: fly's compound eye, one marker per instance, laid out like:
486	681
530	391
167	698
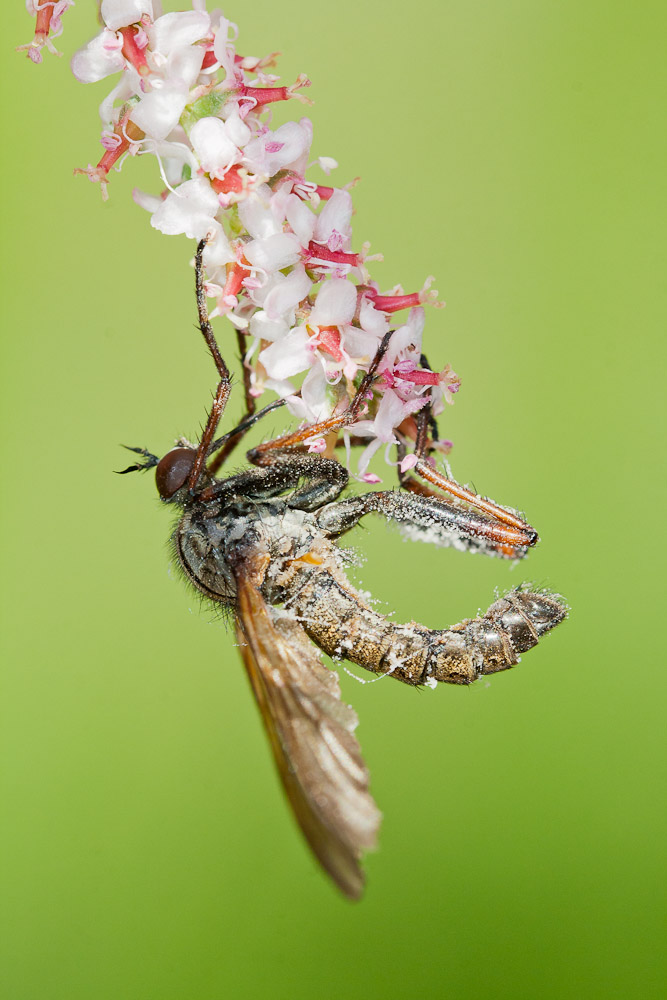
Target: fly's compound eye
173	470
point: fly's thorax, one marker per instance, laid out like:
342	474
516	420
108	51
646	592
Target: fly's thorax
201	557
211	539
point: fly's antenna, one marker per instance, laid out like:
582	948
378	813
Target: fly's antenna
150	463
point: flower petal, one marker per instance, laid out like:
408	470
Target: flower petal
289	143
176	30
120	13
214	148
256	214
158	111
273	253
335	304
189	209
98	59
314	394
336	214
287	294
300	218
265	328
392	411
371	319
288	356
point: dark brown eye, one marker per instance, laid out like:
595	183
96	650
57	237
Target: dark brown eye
173	470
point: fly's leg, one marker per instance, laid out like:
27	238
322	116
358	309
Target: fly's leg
427	472
234	438
263	454
224	385
315	480
285	460
431	519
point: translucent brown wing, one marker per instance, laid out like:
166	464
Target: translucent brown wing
311	734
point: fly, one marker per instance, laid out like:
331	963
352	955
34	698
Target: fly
264	543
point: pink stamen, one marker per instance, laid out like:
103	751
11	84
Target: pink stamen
392	303
110	140
127	133
418	376
141	39
264	95
43	21
322	252
324	192
408	462
336	240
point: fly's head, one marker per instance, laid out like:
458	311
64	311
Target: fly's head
172	471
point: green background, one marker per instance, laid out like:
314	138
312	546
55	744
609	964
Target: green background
512	149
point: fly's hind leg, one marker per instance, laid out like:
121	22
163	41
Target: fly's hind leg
426	472
428	518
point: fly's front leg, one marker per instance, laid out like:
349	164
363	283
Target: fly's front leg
322	479
224	385
430	519
314	480
325	478
235	438
261	454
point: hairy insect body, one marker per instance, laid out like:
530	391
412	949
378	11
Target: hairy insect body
337	618
263	544
210	540
304	571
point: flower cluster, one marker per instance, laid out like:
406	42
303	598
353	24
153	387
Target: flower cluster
279	260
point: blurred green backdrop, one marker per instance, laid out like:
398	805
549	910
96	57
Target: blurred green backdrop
511	149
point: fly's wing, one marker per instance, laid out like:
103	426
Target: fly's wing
311	734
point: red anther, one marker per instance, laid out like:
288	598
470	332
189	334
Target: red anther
392	303
231	183
134	55
322	252
264	95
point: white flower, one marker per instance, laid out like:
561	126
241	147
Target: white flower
274	253
190	209
121	13
99	58
280	150
217	143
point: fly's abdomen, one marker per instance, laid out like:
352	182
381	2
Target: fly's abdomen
345	627
511	626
